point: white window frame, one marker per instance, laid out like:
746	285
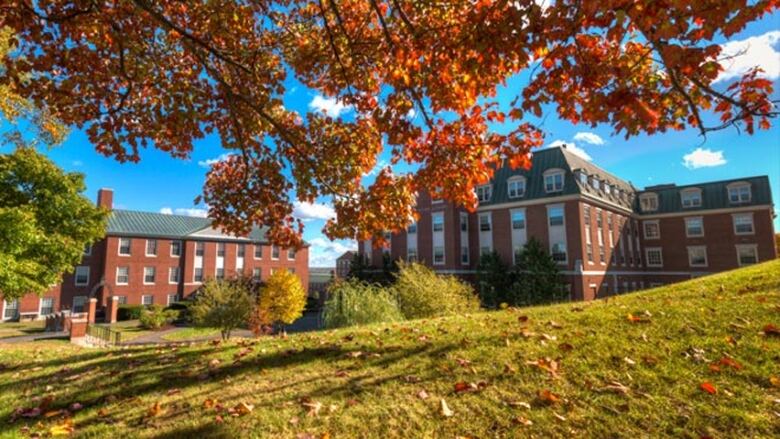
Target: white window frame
687	193
515	181
156	248
743	215
168	300
411	229
464	251
293	254
691	218
433	221
550	217
275	249
484	192
129	246
657	223
40	306
200	246
76	276
566	253
411	254
174	255
84	305
178	275
644	201
754	247
660	255
254	252
127	276
443	257
512	213
144	296
736	187
697	247
489	222
551	174
195	275
6	302
154	272
464	219
257	273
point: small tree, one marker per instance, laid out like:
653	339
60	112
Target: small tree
354	302
155	316
538	277
282	299
421	292
222	304
495	279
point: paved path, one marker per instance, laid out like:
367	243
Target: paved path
33	337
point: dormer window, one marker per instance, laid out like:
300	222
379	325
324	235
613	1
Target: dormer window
595	183
648	202
739	192
484	193
583	177
553	180
607	189
691	198
516	187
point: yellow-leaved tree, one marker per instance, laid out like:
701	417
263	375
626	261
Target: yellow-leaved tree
282	299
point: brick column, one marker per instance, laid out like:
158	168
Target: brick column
111	309
91	310
78	328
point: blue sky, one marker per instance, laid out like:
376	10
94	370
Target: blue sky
160	183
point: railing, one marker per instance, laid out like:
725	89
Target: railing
104	335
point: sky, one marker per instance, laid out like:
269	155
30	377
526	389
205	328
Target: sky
163	184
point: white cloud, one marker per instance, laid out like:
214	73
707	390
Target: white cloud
313	211
323	252
411	113
572	148
331	106
703	158
743	55
77	163
591	138
208	162
185	211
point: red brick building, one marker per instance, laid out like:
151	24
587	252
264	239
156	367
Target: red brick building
149	258
607	236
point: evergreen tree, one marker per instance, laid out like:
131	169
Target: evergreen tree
538	277
495	280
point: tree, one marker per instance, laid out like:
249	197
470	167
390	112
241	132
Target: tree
495	280
282	299
538	277
223	304
421	292
421	79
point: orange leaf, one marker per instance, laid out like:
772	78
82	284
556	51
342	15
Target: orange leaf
548	397
708	387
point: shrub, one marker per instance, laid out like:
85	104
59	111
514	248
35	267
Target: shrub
423	293
129	312
495	281
353	302
155	317
222	304
282	299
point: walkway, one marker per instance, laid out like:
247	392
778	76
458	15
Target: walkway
33	337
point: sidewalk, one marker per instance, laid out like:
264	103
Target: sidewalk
33	337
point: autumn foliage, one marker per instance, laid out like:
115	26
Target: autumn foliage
163	74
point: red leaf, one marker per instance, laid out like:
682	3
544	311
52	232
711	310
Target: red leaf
708	387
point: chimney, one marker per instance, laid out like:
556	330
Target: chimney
106	198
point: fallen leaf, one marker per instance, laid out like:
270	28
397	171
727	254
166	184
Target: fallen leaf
445	410
616	387
519	420
422	394
775	381
771	330
726	361
548	397
209	403
708	387
566	347
243	408
522	404
559	417
64	429
155	410
522	319
635	319
313	407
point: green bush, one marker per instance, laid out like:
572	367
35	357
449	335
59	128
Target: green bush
423	293
129	312
353	302
226	304
155	317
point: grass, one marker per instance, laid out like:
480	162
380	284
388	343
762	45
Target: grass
188	333
130	329
15	329
609	376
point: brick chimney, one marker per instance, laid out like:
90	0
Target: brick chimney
106	198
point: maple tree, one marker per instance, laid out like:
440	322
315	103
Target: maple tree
164	73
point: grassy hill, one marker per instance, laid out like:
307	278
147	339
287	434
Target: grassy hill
697	359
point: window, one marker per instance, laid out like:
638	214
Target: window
151	247
241	251
412	229
220	273
517	251
46	306
484	193
290	254
559	252
747	254
518	219
81	277
220	249
258	251
586	214
464	222
438	255
516	187
198	275
743	223
697	256
78	303
648	202
438	222
122	275
256	274
589	250
555	215
275	253
485	250
411	254
122	300
10	309
739	193
484	222
654	257
147	299
609	220
171	298
149	274
87	250
652	229
199	248
553	180
607	188
175	248
691	198
583	177
464	255
124	246
694	227
599	219
595	183
173	275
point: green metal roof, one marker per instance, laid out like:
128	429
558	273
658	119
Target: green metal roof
714	195
135	223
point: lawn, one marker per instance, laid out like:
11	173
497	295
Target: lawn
184	334
15	329
130	329
697	359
